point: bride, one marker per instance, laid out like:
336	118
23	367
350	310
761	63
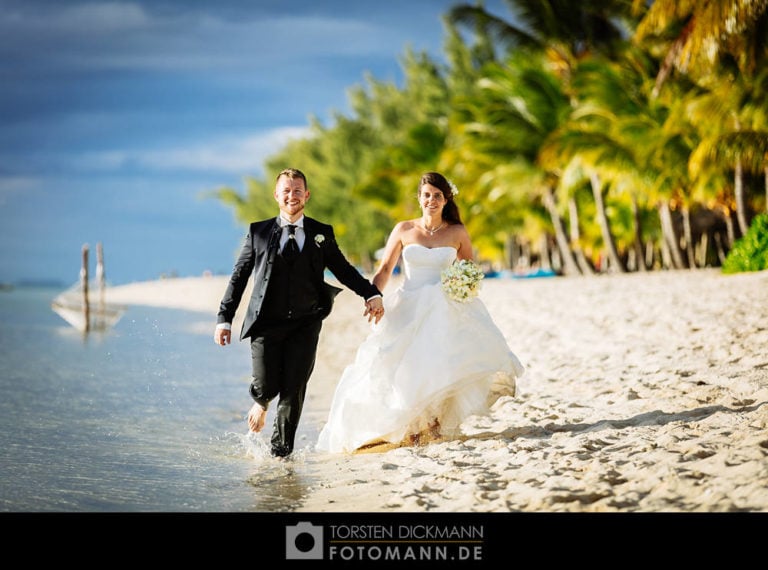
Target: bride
432	361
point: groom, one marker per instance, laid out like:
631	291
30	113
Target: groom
287	256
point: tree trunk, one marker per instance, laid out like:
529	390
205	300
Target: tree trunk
730	231
544	259
670	240
703	249
721	255
615	262
688	237
525	255
569	263
513	251
666	255
741	202
641	266
556	259
573	213
649	254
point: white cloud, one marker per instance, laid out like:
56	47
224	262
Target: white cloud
245	155
106	17
11	186
132	35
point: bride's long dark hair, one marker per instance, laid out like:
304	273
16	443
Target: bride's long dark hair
451	210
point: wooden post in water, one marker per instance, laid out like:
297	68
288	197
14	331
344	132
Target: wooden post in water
84	284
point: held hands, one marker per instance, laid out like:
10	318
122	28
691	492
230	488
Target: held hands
374	309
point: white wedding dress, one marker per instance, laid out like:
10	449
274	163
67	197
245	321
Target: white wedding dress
429	357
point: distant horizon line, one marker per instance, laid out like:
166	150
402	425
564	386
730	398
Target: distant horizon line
44	282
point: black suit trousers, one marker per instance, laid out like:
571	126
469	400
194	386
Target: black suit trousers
283	357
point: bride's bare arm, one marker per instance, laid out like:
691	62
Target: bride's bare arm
465	245
392	251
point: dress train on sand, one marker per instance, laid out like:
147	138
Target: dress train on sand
430	358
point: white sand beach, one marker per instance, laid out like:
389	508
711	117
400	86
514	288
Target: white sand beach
643	392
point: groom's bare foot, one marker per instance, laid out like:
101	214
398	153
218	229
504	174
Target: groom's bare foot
257	417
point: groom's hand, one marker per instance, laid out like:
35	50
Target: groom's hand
222	336
374	309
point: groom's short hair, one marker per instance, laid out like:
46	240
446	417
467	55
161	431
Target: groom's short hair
293	173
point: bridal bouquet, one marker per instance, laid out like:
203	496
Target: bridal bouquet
461	280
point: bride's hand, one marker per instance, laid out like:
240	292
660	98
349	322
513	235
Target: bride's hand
374	310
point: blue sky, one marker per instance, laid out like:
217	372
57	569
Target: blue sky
117	116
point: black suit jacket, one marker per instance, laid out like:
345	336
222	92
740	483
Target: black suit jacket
257	258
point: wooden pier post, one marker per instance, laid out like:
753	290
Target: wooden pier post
84	283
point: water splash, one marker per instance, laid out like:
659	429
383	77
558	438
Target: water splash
256	446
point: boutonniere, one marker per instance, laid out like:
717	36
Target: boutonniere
319	239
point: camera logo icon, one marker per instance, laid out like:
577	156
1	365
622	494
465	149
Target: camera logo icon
304	541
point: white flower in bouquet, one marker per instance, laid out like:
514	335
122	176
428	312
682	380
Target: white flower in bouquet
461	280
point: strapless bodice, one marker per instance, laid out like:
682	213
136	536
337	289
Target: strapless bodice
422	265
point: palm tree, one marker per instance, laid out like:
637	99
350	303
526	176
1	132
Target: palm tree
633	144
564	32
699	33
562	28
723	46
517	107
733	119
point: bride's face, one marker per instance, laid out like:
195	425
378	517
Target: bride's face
431	200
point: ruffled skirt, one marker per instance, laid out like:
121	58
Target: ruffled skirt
430	358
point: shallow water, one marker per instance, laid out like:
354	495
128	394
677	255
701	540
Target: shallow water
146	417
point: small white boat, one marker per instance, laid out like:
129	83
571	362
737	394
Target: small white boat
83	305
70	306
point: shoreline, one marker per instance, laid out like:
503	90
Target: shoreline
643	392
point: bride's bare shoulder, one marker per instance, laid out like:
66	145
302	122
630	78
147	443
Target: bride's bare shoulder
405	225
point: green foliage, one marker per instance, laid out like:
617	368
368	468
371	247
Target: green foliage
515	108
750	253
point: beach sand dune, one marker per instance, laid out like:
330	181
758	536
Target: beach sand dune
643	392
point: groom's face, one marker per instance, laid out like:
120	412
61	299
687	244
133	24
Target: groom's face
291	196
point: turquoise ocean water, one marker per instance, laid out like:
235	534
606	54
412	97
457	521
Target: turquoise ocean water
146	417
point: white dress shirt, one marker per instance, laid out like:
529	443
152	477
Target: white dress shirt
300	235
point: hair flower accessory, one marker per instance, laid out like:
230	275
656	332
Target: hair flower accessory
461	280
319	239
454	190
